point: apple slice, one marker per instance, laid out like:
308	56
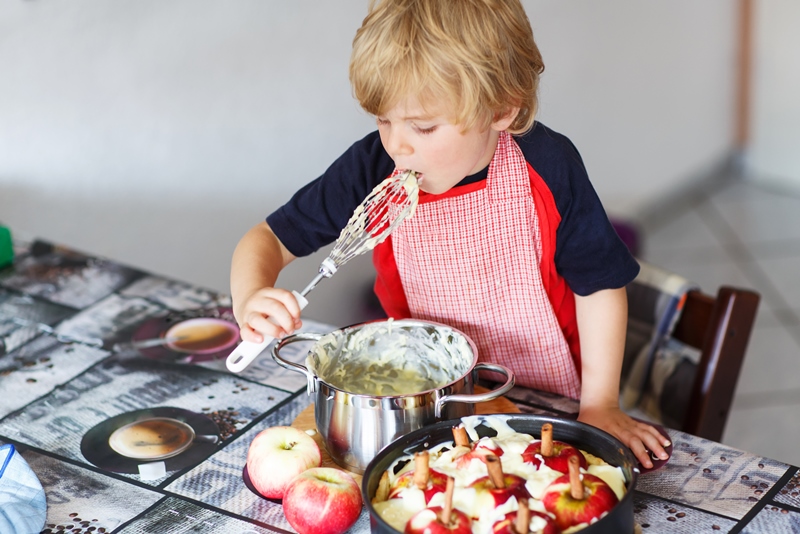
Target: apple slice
322	500
277	455
554	454
578	498
440	519
382	492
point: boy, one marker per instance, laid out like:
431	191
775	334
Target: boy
509	242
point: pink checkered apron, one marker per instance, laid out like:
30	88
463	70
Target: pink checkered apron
472	261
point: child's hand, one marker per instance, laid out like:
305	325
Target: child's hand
639	437
269	312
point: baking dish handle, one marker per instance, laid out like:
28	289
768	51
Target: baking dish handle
479	397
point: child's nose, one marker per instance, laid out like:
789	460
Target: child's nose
398	144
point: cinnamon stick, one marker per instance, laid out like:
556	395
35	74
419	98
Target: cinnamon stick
575	482
460	436
547	440
421	470
523	523
447	508
495	471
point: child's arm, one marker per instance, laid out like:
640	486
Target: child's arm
257	260
602	319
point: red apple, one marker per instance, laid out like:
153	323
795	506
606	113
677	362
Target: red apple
514	486
480	450
437	482
507	524
428	521
598	498
558	461
277	455
322	500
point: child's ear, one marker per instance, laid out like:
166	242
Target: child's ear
503	120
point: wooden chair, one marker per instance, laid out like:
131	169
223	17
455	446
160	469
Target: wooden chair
684	350
720	328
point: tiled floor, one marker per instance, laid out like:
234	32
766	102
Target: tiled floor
748	234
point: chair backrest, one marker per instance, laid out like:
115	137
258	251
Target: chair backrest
684	350
720	328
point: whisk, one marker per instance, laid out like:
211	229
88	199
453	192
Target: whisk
387	205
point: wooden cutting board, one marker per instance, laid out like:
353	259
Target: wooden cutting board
306	421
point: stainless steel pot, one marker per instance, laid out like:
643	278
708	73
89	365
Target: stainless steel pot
356	424
593	440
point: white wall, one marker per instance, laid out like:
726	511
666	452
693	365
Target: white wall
774	150
156	132
644	89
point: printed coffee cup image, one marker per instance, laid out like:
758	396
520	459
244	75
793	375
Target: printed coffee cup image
202	335
156	438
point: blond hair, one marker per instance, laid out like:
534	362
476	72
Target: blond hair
476	57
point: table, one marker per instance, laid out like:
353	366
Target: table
65	369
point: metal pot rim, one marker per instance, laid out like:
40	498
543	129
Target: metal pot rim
403	322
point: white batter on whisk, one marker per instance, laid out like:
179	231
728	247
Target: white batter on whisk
355	239
385	359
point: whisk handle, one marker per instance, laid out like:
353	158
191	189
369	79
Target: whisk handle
244	354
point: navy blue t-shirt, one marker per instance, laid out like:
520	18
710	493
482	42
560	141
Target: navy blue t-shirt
590	256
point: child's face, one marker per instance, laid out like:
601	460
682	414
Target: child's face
430	144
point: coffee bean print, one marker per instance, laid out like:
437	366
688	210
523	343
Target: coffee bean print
75	525
226	421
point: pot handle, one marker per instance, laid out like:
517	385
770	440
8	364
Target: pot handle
479	397
292	366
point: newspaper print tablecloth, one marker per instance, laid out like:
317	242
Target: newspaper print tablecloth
62	315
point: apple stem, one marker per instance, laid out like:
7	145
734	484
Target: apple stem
447	508
460	436
547	440
575	482
523	522
421	470
495	469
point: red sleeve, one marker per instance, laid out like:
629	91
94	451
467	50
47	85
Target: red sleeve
561	297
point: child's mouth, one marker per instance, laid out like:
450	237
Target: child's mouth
418	174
